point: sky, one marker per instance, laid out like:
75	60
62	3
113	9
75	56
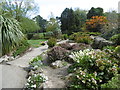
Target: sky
57	6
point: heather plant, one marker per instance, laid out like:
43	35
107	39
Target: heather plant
57	53
65	45
92	68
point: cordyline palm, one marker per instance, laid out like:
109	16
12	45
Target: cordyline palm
10	34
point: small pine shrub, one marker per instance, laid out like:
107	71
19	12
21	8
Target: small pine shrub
57	53
51	42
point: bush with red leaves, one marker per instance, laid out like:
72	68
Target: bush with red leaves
57	53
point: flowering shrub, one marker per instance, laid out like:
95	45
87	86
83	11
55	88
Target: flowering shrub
36	62
96	23
57	53
92	68
34	81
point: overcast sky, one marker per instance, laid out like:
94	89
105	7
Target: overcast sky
57	6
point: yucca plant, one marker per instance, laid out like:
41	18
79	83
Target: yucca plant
10	34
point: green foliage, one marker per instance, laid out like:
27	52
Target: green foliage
79	34
64	36
18	8
29	36
92	68
10	33
28	25
116	39
36	43
68	21
51	42
57	53
34	82
83	39
36	36
48	35
41	22
52	25
94	12
23	46
117	49
36	61
108	34
114	83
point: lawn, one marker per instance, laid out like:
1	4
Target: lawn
36	43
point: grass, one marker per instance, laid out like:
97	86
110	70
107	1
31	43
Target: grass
36	43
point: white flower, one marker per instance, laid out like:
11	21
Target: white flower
34	86
35	66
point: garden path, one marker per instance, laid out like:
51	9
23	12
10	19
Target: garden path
12	74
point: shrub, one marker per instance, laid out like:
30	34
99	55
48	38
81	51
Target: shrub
64	36
57	53
80	46
36	62
51	42
66	46
117	49
35	81
36	36
57	34
83	39
96	23
114	83
116	39
29	36
92	68
23	46
48	35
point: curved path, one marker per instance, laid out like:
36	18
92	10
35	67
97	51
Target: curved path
12	74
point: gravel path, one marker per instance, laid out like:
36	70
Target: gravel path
13	75
25	59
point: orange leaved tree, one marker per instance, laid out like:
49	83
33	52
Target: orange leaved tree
96	23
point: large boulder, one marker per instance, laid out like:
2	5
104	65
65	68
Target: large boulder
100	42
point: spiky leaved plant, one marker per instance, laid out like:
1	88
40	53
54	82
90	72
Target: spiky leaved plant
10	34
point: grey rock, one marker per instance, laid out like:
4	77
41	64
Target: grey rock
57	64
100	42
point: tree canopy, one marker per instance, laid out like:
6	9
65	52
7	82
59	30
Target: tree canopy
95	12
